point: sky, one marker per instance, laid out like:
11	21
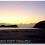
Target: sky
25	12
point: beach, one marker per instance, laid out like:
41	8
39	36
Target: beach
34	35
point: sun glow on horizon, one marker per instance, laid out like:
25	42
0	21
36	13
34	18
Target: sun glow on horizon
25	12
18	19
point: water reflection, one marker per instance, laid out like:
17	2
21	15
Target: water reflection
2	28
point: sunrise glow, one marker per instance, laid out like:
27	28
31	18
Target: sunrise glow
22	12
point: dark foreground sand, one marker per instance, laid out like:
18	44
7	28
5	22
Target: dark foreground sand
34	35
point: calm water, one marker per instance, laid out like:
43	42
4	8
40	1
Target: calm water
15	28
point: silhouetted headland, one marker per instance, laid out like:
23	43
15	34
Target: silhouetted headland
8	26
40	24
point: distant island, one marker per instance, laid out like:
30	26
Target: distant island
8	26
17	25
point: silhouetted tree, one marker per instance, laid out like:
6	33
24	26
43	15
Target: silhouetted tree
40	24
